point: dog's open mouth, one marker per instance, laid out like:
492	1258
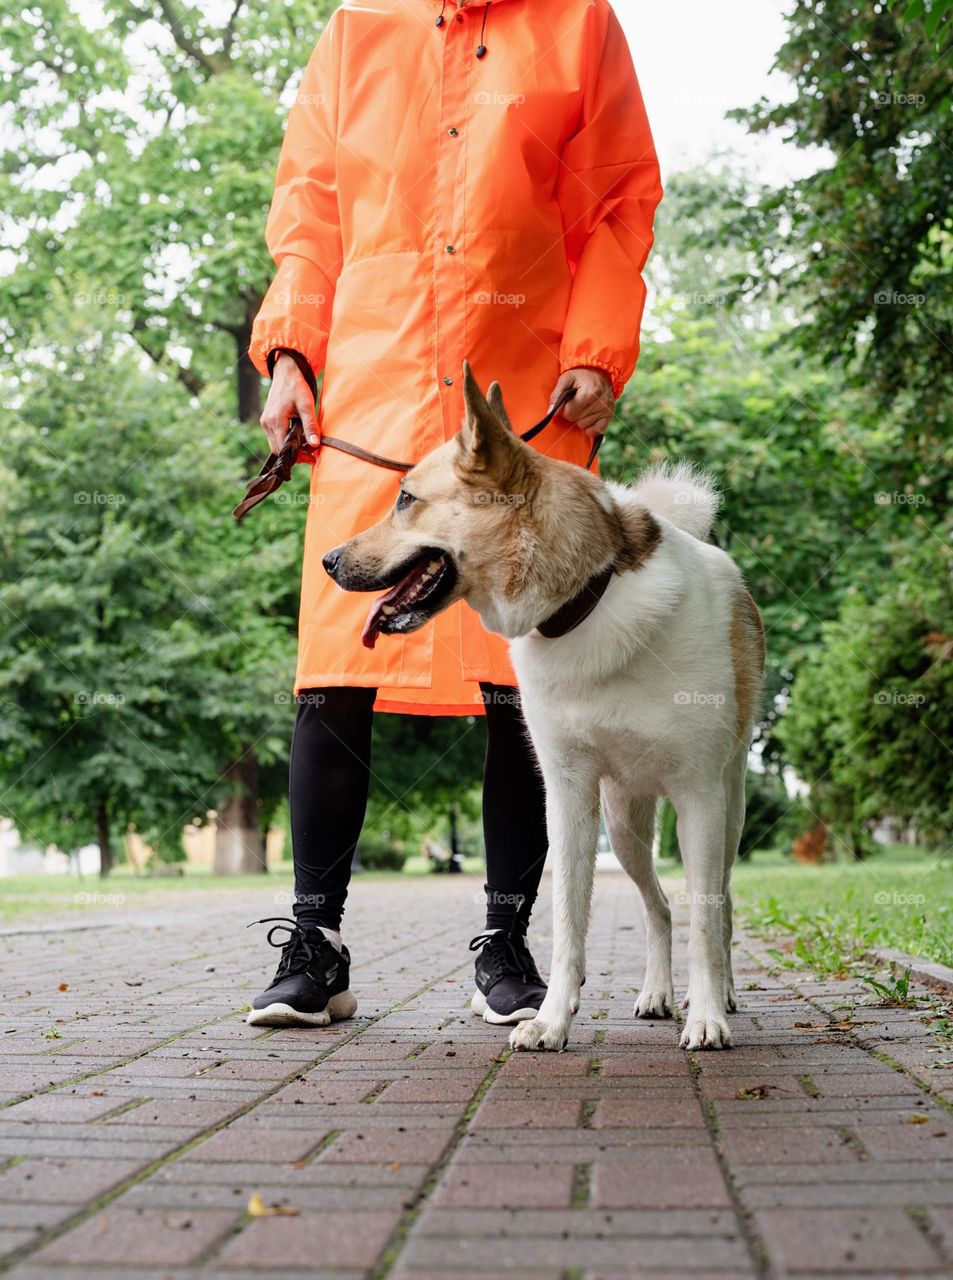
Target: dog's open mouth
422	584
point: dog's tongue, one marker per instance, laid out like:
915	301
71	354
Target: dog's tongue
372	626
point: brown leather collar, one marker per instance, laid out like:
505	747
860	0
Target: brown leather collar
569	615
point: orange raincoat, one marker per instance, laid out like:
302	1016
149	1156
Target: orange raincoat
433	205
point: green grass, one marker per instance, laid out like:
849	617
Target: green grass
826	917
25	896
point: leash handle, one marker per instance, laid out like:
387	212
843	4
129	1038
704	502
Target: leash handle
564	397
277	466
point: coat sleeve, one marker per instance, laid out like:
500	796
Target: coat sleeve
303	232
608	190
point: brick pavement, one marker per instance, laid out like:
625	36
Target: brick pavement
139	1116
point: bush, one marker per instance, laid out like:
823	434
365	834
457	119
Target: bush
378	850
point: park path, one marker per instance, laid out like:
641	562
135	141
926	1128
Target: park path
140	1116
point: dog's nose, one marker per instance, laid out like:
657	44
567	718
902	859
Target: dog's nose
332	560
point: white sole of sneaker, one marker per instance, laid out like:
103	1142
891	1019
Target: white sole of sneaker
283	1015
480	1007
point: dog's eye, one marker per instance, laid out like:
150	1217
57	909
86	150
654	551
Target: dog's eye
404	500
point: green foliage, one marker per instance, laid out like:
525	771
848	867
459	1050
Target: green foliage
829	916
144	637
864	241
767	809
871	713
139	167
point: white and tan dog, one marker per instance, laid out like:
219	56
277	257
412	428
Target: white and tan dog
639	655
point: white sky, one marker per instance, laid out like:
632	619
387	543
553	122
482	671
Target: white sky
697	59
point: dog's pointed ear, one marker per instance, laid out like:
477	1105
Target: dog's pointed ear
494	398
483	435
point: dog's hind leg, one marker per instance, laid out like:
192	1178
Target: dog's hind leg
734	823
572	821
701	837
630	822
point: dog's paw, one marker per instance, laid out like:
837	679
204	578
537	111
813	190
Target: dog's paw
540	1034
654	1004
706	1032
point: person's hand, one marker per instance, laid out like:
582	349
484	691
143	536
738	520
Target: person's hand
288	397
593	404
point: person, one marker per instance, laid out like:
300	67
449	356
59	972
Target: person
457	180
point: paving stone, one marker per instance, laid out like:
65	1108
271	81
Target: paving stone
660	1179
598	1162
539	1185
352	1240
155	1237
843	1241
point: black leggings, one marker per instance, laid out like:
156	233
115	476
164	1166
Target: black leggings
329	779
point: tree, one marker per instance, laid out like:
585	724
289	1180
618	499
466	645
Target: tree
139	156
865	240
143	637
871	717
426	764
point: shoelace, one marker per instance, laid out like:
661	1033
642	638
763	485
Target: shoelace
296	951
504	946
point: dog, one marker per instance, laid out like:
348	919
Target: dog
639	655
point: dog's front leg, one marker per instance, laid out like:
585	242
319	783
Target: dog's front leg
572	821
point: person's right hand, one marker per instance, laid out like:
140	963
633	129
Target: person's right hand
288	397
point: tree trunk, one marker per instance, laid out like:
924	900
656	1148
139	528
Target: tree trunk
239	840
454	832
105	848
239	847
249	379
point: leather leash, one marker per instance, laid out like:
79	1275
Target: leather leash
277	466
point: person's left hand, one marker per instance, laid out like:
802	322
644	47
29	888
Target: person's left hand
593	404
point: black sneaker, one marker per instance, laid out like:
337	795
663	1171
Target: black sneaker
509	988
310	988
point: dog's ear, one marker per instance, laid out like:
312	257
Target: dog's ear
484	441
494	398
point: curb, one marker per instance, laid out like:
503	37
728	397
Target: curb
928	971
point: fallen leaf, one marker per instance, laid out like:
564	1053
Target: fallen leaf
258	1209
98	1093
918	1120
754	1094
64	986
393	1166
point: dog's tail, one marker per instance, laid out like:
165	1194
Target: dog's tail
685	496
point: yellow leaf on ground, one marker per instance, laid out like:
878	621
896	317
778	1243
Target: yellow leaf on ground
258	1209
